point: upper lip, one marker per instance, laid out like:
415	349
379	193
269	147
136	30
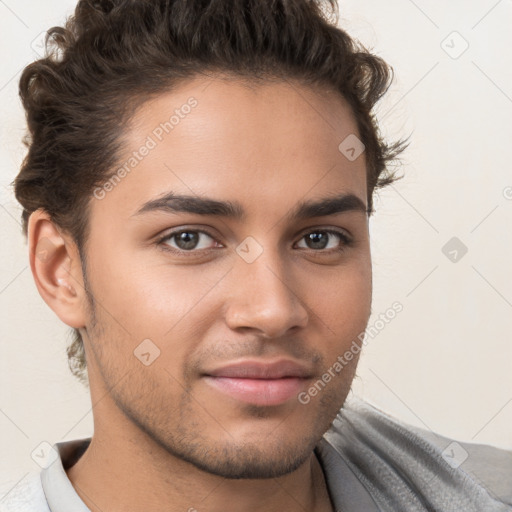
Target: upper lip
258	369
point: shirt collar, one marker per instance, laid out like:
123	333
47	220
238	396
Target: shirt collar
345	489
58	489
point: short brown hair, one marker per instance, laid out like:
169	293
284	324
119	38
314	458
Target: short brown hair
112	55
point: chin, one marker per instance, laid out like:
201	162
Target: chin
248	461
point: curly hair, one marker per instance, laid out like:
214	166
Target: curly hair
113	55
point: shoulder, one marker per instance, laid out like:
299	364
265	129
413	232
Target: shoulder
27	495
408	468
487	465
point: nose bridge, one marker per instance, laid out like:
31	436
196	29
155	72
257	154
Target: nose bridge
263	297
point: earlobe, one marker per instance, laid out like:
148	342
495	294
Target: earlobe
56	268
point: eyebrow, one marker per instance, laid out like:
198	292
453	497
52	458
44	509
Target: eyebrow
174	203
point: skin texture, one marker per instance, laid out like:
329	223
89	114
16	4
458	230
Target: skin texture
163	437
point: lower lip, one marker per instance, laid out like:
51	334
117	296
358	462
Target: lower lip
258	391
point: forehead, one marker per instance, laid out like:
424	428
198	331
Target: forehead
272	143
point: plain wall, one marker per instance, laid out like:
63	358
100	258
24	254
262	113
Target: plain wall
445	361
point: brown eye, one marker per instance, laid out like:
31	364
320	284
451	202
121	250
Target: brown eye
187	240
325	239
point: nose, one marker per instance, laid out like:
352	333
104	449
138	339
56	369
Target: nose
262	298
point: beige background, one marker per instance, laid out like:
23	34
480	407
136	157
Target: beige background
445	361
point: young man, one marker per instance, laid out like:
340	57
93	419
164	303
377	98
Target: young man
196	198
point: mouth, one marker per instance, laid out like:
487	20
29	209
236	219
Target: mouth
259	382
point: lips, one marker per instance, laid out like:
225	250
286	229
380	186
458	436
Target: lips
260	382
262	370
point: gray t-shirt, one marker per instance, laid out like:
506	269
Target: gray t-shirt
371	461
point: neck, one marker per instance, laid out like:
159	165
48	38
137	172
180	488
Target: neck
124	470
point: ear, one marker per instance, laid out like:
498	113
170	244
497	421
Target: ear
56	267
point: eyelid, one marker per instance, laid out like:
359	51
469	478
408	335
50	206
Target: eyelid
170	234
345	238
327	229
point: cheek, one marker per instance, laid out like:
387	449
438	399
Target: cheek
343	303
152	298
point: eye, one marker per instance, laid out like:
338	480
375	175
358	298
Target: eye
326	239
187	240
193	241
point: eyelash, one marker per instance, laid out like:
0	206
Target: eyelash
346	241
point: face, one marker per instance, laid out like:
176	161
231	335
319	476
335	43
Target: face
214	316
